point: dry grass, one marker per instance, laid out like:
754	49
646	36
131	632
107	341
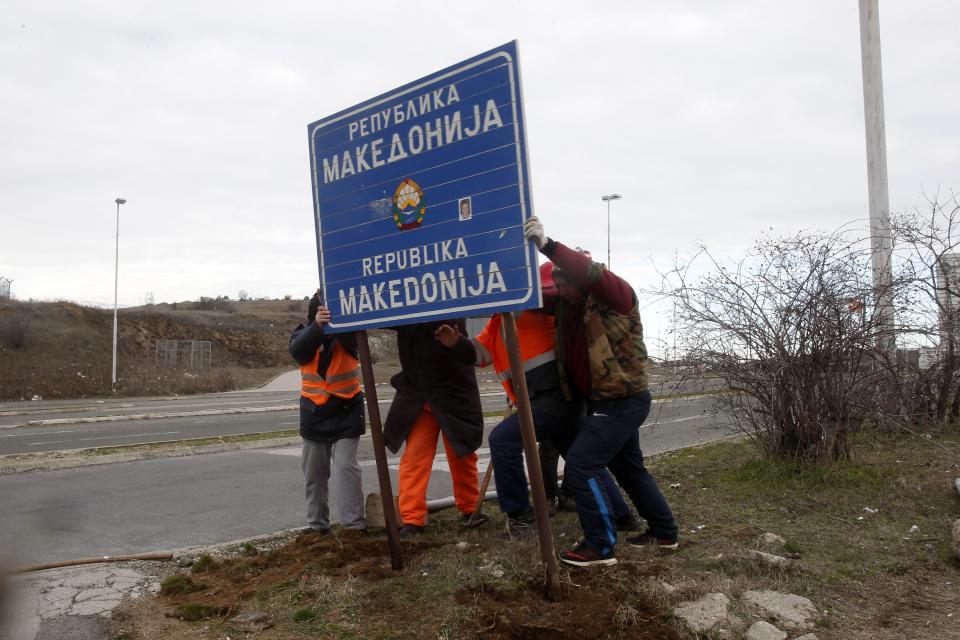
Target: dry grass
869	576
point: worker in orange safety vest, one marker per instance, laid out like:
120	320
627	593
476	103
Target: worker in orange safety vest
555	416
331	420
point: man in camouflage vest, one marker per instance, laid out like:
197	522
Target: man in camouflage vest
602	357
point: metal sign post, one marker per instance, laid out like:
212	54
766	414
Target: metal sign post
379	453
487	475
529	436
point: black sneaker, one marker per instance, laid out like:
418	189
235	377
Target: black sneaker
473	520
647	539
584	555
520	525
628	522
410	530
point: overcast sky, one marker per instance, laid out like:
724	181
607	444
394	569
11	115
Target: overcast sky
714	120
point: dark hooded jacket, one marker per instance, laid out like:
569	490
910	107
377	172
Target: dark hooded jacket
441	377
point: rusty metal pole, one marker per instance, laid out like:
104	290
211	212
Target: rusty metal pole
529	436
379	452
478	507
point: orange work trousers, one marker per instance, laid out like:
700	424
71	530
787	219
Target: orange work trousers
417	462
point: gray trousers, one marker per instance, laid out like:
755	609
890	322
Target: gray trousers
317	458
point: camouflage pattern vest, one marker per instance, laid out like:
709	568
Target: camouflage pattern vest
615	348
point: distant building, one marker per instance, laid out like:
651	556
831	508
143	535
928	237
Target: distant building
948	296
5	288
928	357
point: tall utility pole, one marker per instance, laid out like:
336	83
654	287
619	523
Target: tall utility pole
116	273
607	199
881	243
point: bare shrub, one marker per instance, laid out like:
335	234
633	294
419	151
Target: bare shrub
15	326
791	330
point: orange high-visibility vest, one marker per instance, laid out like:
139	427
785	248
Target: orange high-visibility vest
535	331
342	377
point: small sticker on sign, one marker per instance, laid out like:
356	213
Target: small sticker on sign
466	209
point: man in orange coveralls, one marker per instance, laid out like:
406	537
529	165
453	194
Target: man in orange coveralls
436	395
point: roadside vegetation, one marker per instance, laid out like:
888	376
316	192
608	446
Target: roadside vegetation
811	350
868	542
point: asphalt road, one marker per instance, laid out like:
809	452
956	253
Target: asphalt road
248	412
30	427
168	503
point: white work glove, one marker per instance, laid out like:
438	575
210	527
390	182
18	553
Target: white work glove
533	230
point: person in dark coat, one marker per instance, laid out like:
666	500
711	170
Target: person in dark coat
437	394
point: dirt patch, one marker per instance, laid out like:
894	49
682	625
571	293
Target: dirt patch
455	583
231	582
587	610
221	589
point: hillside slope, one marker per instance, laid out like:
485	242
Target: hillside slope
64	350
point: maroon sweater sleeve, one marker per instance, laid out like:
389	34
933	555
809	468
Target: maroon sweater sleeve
591	276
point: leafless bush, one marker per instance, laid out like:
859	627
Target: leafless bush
791	330
15	326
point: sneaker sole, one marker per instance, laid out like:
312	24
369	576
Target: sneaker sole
660	547
590	563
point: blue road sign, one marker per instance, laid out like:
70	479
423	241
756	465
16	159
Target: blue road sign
420	195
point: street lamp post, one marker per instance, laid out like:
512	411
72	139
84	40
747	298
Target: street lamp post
607	199
116	271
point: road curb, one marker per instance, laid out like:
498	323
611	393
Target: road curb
158	415
151	416
73	458
16	463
